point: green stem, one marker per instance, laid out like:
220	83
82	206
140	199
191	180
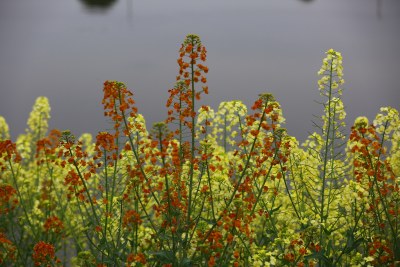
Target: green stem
325	158
21	200
168	215
193	140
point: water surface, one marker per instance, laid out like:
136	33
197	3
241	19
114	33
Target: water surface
66	49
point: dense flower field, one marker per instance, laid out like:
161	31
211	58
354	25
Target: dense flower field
226	187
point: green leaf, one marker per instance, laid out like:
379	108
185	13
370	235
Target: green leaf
274	210
351	243
320	257
163	256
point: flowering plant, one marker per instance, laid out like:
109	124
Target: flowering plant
205	187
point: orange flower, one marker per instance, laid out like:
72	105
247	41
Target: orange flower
43	253
7	150
236	254
7	249
289	257
130	218
302	251
8	198
117	102
204	189
105	141
211	261
54	224
181	94
237	223
189	48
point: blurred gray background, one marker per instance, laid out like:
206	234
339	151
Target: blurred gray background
66	49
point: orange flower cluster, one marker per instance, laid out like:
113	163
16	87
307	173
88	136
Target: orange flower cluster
8	198
180	104
369	166
8	149
270	148
135	258
43	254
381	251
297	251
215	240
82	167
369	146
172	189
190	53
48	146
46	188
211	261
315	247
105	142
221	238
175	200
7	249
183	95
53	224
118	101
131	218
373	172
73	182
